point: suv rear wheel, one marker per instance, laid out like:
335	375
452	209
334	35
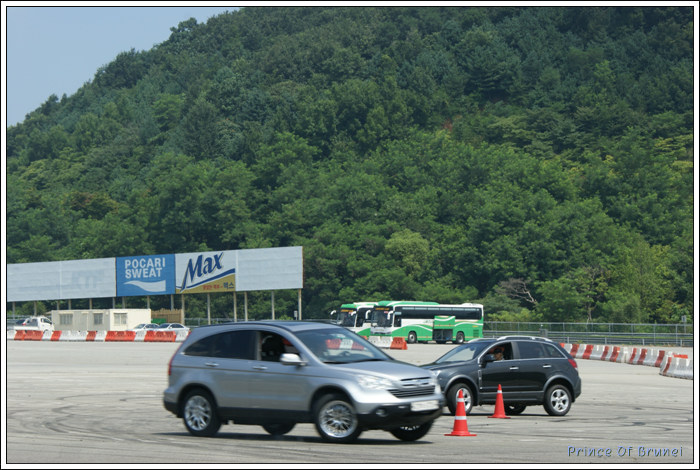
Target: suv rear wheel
557	401
199	414
336	420
512	410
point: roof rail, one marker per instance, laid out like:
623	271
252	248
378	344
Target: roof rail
524	337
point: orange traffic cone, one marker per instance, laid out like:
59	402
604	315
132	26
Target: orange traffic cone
500	411
460	427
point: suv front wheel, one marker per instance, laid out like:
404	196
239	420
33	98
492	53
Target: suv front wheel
453	396
336	420
199	414
557	400
412	433
278	429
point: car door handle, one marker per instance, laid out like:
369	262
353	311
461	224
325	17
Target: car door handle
211	364
260	367
514	368
547	366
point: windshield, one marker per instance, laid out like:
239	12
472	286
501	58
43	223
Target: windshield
466	352
382	318
335	346
347	318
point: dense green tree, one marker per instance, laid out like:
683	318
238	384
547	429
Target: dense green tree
439	153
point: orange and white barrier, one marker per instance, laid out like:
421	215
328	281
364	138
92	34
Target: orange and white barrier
122	336
670	364
381	341
677	367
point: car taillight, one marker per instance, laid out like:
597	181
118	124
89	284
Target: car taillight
573	363
170	363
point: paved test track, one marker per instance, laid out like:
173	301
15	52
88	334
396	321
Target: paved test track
92	403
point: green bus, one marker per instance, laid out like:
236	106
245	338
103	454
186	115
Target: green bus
428	321
356	317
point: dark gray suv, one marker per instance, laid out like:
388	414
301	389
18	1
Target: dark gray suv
530	371
277	374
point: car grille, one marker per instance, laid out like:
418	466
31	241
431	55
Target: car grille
414	388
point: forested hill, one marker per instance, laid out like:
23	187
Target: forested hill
538	160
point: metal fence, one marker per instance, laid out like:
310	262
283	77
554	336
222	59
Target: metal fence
645	334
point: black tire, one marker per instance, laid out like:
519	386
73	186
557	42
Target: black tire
512	410
278	429
336	420
412	433
412	337
199	414
557	400
459	339
452	394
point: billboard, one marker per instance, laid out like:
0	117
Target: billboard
33	281
145	275
184	273
59	280
88	278
270	269
212	271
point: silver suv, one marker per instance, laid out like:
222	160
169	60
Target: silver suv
277	374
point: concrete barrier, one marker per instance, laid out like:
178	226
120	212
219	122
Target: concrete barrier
654	358
161	336
380	341
677	367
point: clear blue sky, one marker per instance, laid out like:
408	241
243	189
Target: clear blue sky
55	50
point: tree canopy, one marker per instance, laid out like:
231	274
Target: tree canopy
536	159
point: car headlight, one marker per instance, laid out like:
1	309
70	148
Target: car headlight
374	383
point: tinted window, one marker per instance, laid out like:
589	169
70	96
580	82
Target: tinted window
552	351
530	350
231	344
506	349
463	353
271	347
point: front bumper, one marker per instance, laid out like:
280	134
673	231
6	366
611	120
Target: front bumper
393	416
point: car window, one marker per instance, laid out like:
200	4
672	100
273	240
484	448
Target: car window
336	346
551	351
530	350
271	346
230	345
464	354
506	350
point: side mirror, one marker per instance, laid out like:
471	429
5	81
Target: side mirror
487	358
289	359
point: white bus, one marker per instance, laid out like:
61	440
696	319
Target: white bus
428	321
356	317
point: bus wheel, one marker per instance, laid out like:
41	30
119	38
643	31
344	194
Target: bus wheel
412	337
459	339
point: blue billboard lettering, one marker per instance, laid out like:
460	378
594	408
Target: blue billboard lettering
201	267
